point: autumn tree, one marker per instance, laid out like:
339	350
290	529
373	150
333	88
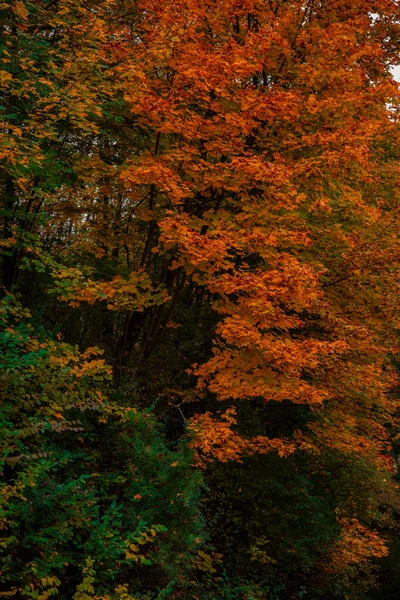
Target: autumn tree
208	191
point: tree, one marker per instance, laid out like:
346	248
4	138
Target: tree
232	163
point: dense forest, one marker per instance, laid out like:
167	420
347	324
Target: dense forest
200	269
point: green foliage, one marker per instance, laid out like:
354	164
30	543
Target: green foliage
188	184
84	478
276	516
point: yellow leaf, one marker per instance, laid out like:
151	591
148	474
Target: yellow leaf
5	76
21	10
134	547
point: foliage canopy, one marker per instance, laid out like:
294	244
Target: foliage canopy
200	271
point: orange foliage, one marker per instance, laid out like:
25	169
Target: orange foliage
215	439
356	545
243	147
266	174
